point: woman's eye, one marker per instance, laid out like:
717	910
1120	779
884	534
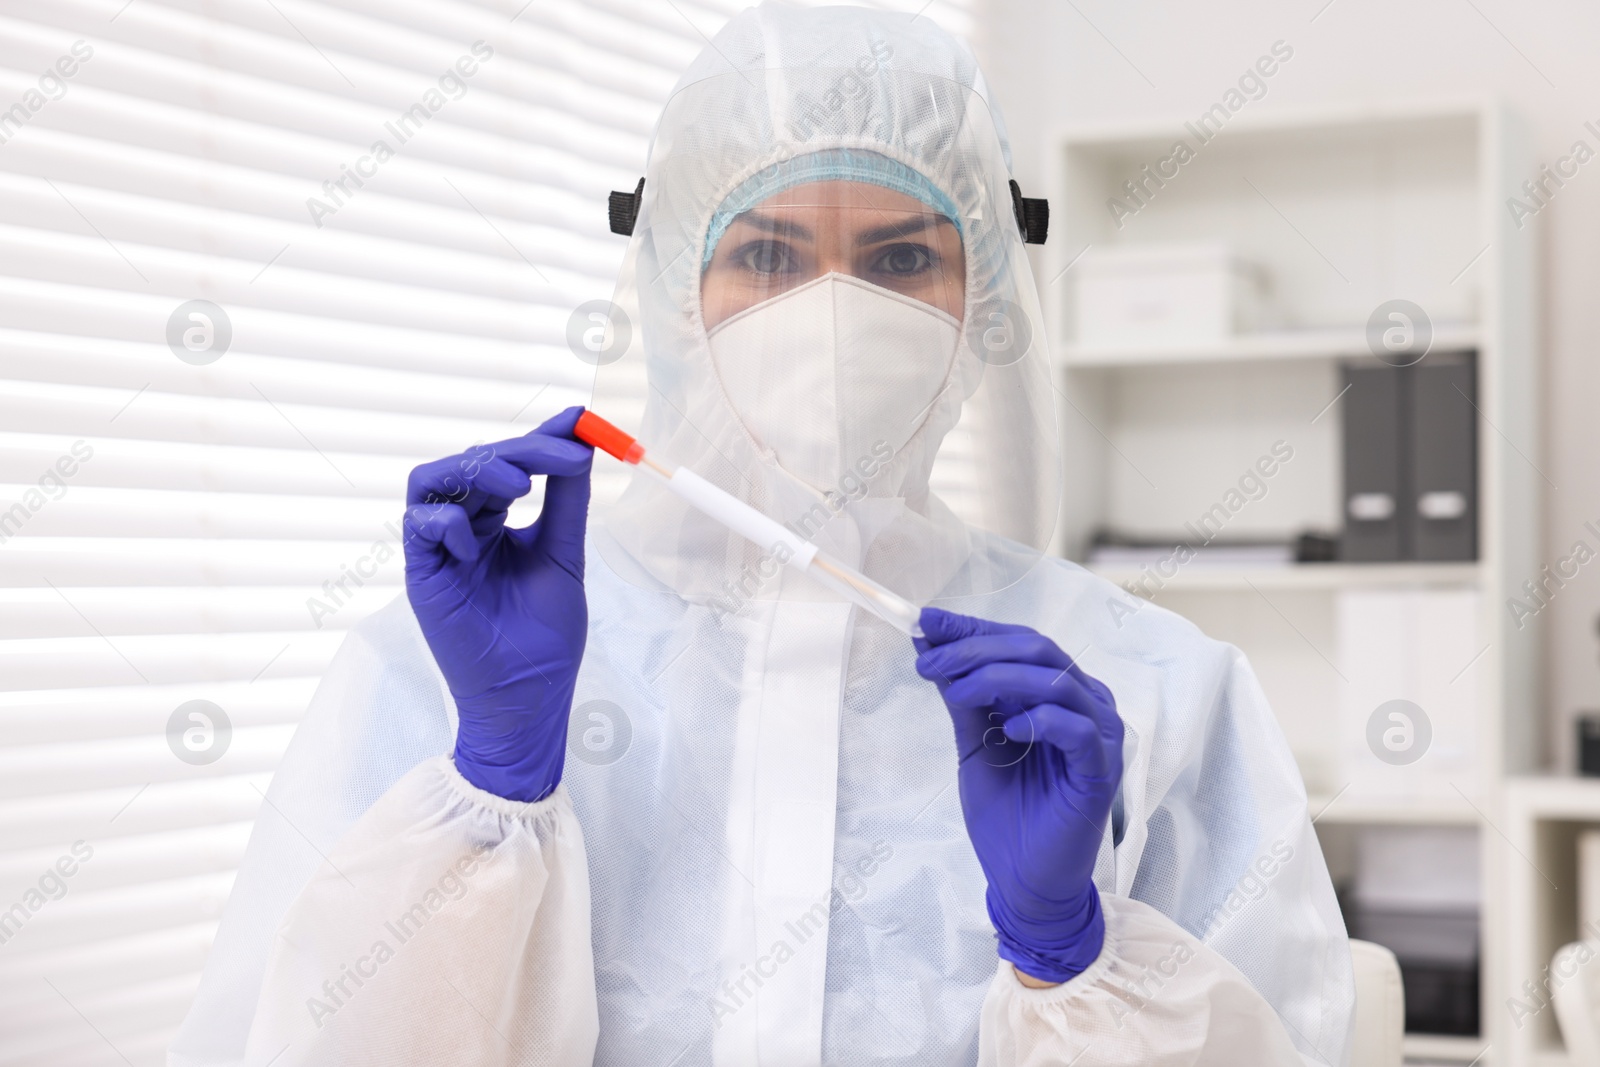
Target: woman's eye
765	257
905	260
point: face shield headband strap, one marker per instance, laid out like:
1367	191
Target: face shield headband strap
624	210
1032	213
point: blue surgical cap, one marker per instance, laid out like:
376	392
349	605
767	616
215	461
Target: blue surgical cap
828	165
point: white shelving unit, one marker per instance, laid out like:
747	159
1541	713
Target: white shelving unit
1342	210
1543	817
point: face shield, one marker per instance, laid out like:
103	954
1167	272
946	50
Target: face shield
831	316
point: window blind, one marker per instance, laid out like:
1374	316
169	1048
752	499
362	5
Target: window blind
229	326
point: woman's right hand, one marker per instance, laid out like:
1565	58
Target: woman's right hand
502	609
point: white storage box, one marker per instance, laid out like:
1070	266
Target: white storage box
1134	296
1408	705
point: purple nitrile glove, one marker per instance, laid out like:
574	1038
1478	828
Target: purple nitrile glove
503	610
1040	745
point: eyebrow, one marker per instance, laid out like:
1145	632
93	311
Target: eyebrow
772	225
907	228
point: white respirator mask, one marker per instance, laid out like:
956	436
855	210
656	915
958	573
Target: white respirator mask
834	374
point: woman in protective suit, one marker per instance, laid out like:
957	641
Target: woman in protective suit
1057	828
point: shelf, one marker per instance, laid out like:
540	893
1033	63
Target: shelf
1463	1050
1297	576
1267	345
1398	810
1354	120
1555	797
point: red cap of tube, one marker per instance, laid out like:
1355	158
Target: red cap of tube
597	432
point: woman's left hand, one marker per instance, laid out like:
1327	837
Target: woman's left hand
1040	745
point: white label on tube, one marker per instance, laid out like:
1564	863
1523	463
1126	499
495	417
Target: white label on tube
741	518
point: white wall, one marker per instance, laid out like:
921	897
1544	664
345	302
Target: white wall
1055	63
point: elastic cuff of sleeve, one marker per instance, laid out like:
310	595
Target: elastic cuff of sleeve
526	811
1054	995
1056	955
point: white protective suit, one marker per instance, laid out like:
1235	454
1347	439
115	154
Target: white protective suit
757	855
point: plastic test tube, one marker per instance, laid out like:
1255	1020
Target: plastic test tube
751	524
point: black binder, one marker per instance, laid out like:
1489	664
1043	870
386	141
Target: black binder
1376	529
1444	459
1411	460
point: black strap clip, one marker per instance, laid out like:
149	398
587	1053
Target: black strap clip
1033	215
625	210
